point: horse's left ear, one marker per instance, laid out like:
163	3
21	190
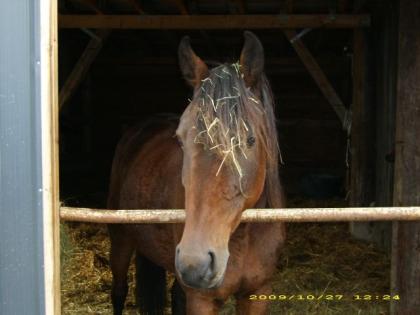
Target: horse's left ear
252	59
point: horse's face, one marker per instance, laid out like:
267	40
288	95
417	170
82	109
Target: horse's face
218	187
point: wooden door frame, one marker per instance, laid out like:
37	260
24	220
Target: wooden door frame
50	160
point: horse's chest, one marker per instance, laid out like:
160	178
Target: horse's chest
254	254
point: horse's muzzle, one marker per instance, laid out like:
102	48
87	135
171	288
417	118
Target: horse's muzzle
199	270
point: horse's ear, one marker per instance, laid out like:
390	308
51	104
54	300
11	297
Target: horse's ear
252	59
192	67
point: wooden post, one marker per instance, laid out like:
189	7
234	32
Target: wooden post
386	57
406	236
362	130
384	39
362	137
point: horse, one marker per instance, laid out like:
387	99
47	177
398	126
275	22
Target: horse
220	158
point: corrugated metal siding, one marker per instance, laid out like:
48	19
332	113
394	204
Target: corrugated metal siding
21	250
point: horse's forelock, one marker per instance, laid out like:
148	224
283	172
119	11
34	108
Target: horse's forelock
228	113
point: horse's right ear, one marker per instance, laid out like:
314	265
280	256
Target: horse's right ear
192	67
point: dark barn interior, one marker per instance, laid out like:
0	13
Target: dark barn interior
110	79
136	75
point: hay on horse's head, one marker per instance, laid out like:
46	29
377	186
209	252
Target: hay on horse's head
229	116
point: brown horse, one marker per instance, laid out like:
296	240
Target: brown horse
225	161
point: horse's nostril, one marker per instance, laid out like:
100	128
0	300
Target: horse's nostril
212	260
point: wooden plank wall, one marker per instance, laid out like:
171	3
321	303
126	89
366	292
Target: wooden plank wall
406	237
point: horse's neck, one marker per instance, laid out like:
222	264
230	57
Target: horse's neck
263	200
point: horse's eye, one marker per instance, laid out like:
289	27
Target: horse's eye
250	141
179	142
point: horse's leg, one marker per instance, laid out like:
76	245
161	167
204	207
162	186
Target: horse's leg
198	304
246	306
121	252
178	299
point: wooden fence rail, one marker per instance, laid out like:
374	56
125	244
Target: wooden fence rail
250	215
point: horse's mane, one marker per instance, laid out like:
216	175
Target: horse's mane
229	116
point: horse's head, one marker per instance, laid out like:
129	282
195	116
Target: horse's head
229	145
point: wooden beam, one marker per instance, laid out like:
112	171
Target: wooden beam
386	54
362	141
249	215
330	63
212	21
316	72
406	236
81	68
384	48
362	129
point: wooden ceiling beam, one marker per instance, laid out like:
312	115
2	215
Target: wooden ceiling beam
202	22
328	61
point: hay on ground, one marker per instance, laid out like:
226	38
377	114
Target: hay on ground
319	258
